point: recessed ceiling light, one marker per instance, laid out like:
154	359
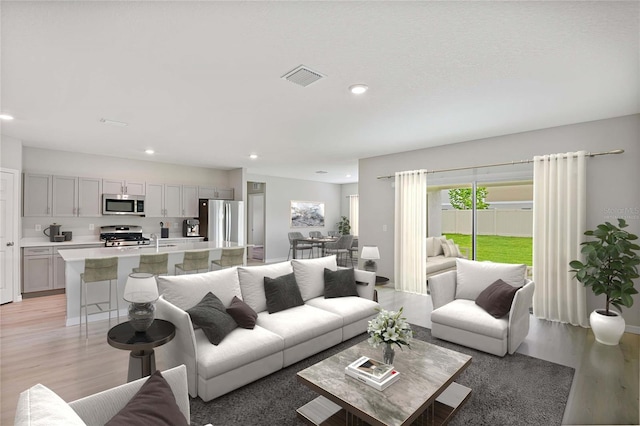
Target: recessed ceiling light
113	122
322	172
253	156
149	151
348	175
358	89
6	117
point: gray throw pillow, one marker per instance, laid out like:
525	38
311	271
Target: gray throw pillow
242	313
211	315
282	293
497	298
154	404
340	283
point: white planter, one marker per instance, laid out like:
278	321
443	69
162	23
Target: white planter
607	329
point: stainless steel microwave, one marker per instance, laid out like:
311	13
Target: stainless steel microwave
123	204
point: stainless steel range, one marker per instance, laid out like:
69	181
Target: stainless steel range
122	235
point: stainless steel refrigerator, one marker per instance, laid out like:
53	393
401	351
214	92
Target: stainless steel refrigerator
222	221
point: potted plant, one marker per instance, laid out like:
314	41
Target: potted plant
389	328
610	267
344	227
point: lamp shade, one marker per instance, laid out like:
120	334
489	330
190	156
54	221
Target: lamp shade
370	252
141	288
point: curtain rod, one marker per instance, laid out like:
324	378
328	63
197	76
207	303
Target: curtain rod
508	163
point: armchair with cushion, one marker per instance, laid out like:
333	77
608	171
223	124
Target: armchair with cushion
463	299
159	399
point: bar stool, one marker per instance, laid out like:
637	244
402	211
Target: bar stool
97	270
155	264
233	256
194	261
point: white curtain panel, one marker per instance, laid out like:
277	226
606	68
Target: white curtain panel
410	232
559	204
354	212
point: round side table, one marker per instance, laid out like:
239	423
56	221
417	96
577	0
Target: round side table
142	360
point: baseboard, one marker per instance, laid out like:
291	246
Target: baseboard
632	329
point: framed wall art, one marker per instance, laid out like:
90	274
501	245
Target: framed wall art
307	214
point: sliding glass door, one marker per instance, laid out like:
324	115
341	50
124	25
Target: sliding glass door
488	213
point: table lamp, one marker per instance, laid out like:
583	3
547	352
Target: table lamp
370	253
141	291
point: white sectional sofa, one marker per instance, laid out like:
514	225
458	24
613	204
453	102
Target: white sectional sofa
437	261
278	339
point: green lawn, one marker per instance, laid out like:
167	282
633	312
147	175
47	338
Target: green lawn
498	248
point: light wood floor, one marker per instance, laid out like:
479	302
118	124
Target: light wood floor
36	347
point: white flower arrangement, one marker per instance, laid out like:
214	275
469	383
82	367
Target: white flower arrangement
389	327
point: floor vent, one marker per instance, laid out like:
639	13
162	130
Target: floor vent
303	76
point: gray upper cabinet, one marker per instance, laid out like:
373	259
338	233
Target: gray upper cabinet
89	197
65	196
173	200
215	193
154	200
37	197
114	186
61	196
189	201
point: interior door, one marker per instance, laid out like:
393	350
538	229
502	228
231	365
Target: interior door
8	248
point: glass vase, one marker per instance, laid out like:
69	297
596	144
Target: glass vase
388	353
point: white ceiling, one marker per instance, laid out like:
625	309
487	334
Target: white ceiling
200	81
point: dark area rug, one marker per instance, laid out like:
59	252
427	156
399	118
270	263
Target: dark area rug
514	390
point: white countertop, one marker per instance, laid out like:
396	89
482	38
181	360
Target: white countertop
84	240
166	246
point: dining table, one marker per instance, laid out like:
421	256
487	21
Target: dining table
313	240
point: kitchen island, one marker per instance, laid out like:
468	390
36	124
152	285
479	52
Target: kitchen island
128	258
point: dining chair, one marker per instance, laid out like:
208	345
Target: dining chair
300	246
353	252
95	271
340	248
333	233
232	256
193	260
317	246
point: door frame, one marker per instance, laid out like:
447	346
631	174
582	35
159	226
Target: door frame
17	279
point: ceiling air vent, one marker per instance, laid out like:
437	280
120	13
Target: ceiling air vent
303	76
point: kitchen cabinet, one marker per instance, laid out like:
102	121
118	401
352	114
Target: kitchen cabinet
189	201
114	186
61	196
37	270
43	268
37	198
215	193
74	196
89	197
65	196
171	200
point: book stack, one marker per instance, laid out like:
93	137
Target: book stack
374	373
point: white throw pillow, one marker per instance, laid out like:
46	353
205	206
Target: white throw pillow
186	291
310	275
40	406
431	247
252	282
473	277
450	249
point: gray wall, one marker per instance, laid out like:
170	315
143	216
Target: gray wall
10	153
278	196
612	180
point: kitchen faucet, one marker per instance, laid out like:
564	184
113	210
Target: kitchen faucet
154	237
